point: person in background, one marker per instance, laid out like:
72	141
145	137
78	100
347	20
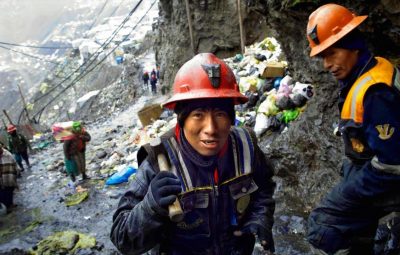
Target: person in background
158	72
74	151
8	178
153	81
346	220
218	172
145	78
18	145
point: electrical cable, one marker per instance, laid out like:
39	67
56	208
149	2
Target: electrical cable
39	113
115	10
95	18
29	55
95	54
36	47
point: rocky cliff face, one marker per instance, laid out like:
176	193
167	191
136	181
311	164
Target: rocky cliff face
308	156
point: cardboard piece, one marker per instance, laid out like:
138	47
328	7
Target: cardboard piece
272	70
150	113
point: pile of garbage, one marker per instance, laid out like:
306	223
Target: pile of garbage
275	99
41	141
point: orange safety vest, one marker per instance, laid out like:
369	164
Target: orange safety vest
382	72
356	147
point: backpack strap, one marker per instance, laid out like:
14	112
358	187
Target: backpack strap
243	146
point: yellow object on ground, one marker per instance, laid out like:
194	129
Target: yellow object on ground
76	198
67	242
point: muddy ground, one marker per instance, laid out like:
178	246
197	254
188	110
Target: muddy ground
41	199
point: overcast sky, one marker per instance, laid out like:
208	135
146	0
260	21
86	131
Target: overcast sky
23	20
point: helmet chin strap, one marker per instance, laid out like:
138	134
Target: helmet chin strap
363	68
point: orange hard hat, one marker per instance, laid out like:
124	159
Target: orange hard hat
11	128
328	24
205	76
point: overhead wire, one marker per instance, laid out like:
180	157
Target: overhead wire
115	10
82	68
33	46
29	55
39	113
90	27
98	14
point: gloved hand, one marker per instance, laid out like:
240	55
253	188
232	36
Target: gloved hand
263	234
164	187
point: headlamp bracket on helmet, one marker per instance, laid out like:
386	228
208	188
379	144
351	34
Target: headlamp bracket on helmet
214	74
313	35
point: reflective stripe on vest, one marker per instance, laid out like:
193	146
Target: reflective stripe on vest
246	149
243	153
179	169
396	79
382	72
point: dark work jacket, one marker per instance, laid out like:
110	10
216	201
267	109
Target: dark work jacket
213	210
17	143
370	124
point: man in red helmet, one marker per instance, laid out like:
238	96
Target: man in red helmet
220	176
18	145
346	220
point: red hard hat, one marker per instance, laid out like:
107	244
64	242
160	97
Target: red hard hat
11	128
205	76
328	24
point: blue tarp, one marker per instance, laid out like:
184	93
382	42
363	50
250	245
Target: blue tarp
121	176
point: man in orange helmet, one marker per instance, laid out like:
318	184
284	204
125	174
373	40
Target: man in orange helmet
346	220
219	174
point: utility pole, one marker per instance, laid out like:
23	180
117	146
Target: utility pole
8	117
189	17
240	26
24	103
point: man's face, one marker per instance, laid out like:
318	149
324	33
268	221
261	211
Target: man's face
339	62
207	130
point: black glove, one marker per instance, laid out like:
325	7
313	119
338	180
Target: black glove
263	234
164	187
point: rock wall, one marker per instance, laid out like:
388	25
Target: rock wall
308	156
215	27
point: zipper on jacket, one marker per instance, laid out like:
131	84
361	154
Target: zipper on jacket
215	213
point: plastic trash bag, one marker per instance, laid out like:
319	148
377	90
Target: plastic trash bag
121	176
304	89
298	100
289	115
268	107
261	124
248	83
284	103
284	90
288	80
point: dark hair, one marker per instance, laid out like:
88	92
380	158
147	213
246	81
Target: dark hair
353	41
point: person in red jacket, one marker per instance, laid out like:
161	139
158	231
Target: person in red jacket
74	151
